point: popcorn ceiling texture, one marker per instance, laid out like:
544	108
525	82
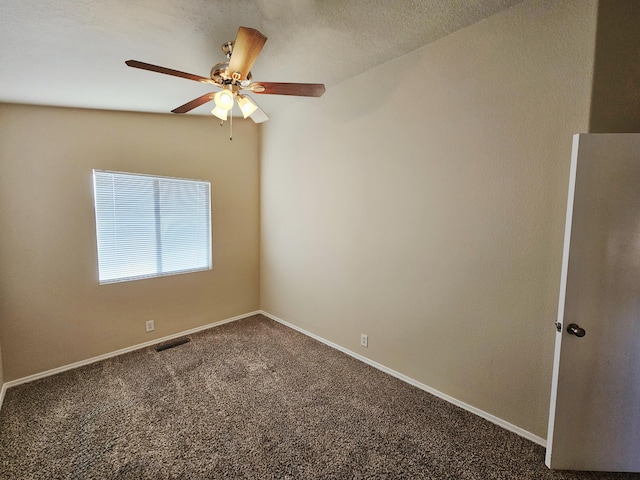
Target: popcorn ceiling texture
72	53
251	399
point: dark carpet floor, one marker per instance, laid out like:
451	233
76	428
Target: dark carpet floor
251	399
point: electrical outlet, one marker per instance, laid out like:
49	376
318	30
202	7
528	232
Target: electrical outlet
149	326
364	340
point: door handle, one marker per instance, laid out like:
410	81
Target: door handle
574	329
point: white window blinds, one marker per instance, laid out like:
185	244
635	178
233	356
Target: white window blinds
149	226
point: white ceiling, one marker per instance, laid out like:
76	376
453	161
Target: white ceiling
72	52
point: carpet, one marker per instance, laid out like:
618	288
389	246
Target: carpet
251	399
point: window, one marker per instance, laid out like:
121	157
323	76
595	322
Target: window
149	226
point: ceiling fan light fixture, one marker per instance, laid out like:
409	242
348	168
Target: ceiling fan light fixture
246	106
233	77
221	113
224	100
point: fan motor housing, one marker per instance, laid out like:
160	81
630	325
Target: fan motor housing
220	75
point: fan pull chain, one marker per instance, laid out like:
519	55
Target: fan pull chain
231	127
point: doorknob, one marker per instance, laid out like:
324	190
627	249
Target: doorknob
574	329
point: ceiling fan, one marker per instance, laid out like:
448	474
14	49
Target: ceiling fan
234	78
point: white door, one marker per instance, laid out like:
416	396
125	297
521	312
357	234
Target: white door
594	420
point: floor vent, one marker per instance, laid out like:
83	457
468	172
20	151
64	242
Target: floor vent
171	344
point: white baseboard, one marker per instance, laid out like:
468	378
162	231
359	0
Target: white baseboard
481	413
3	390
89	361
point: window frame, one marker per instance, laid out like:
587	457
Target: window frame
157	218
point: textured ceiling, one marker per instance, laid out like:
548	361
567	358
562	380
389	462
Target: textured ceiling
72	52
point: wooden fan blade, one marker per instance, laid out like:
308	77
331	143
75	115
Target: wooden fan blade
279	88
258	116
167	71
246	48
207	97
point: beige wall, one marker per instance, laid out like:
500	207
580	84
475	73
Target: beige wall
615	106
1	372
52	310
423	203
